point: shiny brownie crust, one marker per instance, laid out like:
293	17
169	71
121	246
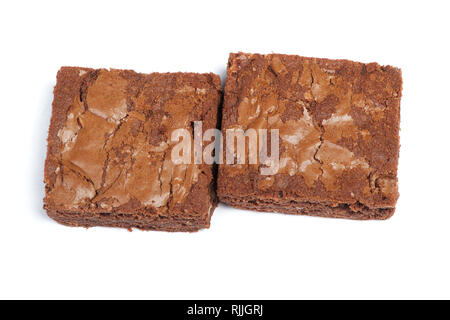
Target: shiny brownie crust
108	158
339	135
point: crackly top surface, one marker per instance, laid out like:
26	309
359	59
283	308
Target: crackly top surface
109	140
338	123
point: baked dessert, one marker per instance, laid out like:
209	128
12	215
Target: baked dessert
338	135
109	149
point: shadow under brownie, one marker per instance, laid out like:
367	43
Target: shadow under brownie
109	149
338	125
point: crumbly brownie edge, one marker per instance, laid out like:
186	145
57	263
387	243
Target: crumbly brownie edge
127	221
355	211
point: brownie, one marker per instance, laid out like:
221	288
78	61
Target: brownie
338	142
109	149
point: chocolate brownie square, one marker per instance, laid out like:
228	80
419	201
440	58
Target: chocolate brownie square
109	149
338	135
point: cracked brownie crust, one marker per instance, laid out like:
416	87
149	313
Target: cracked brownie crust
338	123
109	150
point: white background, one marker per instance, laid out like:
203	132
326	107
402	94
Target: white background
244	254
